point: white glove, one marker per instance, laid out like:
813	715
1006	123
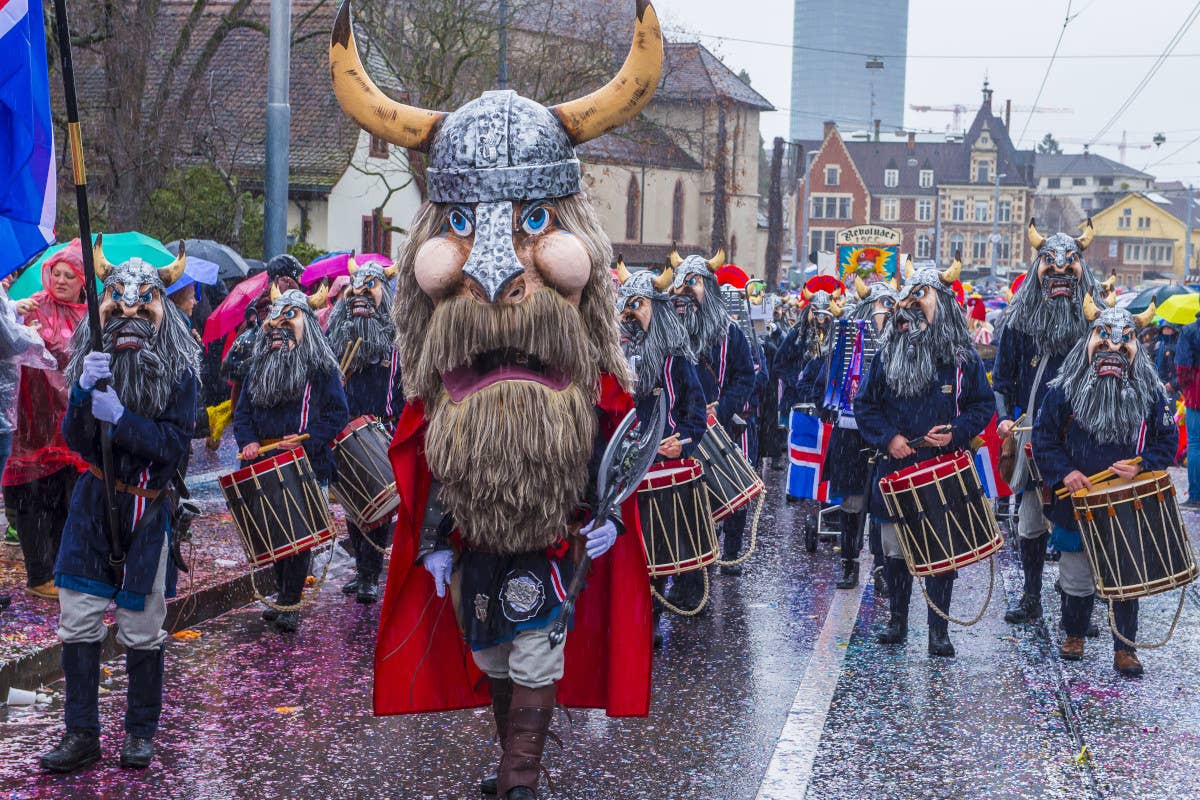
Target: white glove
106	406
96	367
601	536
438	564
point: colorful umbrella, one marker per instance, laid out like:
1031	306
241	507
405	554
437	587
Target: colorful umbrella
1159	294
197	270
1180	309
230	264
335	264
118	247
226	317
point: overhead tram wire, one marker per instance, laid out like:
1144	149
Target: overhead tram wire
1046	75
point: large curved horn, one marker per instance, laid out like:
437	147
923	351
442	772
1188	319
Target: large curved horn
835	309
1090	309
622	270
319	299
1146	317
275	293
622	98
174	271
807	295
1085	238
1109	284
1036	240
391	272
908	268
717	261
861	288
1110	299
663	281
103	268
351	265
675	258
950	274
402	125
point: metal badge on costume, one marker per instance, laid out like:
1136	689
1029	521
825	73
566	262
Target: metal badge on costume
522	596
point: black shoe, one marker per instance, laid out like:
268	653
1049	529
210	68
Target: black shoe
136	752
881	587
288	622
521	793
939	644
368	592
351	587
1027	609
76	750
896	631
849	574
489	785
4	601
731	569
1093	630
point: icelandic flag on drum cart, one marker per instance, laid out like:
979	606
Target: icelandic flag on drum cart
808	441
27	189
987	463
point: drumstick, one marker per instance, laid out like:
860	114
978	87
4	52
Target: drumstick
1103	475
920	440
349	353
269	447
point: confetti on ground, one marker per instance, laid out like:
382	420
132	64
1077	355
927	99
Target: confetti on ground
187	635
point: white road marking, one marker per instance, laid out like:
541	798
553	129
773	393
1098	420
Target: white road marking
791	766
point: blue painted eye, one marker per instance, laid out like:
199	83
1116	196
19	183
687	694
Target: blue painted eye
1104	334
146	297
116	293
691	281
461	221
536	220
290	313
369	283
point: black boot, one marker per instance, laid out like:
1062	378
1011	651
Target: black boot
1033	562
80	745
351	587
136	752
879	576
368	589
940	589
288	622
899	593
1090	629
849	574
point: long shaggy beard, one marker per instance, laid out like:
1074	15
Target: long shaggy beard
376	331
1110	409
665	337
144	379
1055	324
706	323
910	359
513	462
279	376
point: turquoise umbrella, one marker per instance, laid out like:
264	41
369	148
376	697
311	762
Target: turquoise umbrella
118	247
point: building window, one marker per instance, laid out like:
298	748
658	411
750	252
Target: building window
832	176
1004	211
378	148
981	211
1087	203
632	210
925	179
1105	181
924	210
1143	223
1079	181
958	210
1003	251
979	243
1053	183
843	208
924	246
732	249
1150	254
889	209
677	213
956	244
822	241
983	171
376	238
891	178
1112	248
1126	218
825	207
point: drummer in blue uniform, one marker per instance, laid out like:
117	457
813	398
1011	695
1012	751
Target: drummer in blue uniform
362	335
293	387
1106	406
927	384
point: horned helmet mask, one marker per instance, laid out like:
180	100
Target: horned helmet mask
1112	346
636	295
286	324
877	300
134	291
368	287
696	296
1059	261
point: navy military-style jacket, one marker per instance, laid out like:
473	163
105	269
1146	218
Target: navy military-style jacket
1013	371
686	414
726	372
320	411
1061	445
146	453
845	465
376	389
959	396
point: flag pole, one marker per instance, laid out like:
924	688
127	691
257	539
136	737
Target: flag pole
62	30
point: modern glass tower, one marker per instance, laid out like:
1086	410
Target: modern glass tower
831	80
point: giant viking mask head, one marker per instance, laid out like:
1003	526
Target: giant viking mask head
1049	305
504	300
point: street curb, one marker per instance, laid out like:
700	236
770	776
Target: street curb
184	611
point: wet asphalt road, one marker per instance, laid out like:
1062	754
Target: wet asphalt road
252	714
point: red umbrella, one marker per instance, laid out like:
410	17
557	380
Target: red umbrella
226	317
335	264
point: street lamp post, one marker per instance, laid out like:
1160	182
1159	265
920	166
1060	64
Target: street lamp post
279	116
803	243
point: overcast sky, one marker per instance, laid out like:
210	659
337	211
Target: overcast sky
984	37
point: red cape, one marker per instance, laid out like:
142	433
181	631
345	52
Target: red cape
421	660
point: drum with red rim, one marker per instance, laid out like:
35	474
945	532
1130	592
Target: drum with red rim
678	532
365	484
731	481
278	507
944	522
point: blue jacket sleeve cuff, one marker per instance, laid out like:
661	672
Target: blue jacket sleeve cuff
79	395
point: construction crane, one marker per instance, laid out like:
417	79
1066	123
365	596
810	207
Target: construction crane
958	110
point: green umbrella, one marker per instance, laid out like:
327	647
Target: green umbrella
1158	294
118	247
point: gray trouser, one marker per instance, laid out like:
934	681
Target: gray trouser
81	618
854	503
890	537
1031	523
1075	575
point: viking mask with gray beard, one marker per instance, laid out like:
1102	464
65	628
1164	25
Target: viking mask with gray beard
358	317
147	364
912	347
647	350
283	364
706	323
1111	393
1049	305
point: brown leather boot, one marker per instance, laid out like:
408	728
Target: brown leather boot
502	690
529	719
1071	649
1126	662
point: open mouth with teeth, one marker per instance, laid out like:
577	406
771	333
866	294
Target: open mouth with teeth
683	303
1059	286
910	323
280	338
1110	365
361	306
495	366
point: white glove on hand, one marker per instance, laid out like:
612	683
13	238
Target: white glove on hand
438	564
601	536
96	367
106	406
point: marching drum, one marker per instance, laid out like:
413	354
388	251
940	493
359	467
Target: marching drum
944	520
731	481
365	483
678	533
278	507
1134	537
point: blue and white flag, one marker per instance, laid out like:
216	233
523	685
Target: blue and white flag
808	443
27	188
